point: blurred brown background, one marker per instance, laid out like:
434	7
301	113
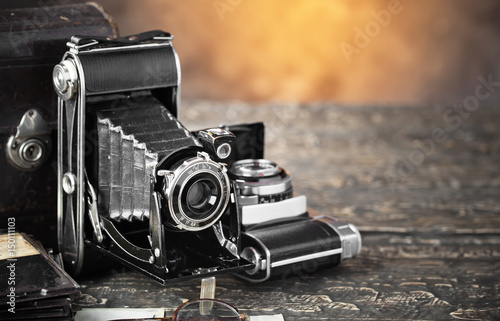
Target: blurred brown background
355	52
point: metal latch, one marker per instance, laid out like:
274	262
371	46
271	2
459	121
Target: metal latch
30	147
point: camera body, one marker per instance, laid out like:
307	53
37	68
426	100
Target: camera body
136	185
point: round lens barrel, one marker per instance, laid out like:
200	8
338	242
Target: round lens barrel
261	181
196	192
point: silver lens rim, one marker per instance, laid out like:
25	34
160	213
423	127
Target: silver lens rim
178	181
181	192
242	168
269	181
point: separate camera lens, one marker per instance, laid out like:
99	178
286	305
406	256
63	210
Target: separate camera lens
261	181
254	168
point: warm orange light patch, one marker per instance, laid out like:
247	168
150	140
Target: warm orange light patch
295	50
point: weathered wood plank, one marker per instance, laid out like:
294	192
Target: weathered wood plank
431	237
396	277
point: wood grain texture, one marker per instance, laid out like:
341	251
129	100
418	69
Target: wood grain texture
431	231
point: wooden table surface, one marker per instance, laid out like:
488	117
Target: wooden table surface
421	183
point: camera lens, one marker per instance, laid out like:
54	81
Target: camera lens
261	181
254	168
196	192
200	197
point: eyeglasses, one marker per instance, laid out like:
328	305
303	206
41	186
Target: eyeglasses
202	310
207	310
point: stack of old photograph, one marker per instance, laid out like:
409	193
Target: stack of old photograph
34	285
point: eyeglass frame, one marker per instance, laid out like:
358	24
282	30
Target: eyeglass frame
243	316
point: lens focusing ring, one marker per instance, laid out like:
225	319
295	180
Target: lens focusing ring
254	168
261	181
178	190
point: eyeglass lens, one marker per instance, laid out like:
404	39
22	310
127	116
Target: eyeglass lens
206	310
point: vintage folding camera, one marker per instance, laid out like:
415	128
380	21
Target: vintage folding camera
135	184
